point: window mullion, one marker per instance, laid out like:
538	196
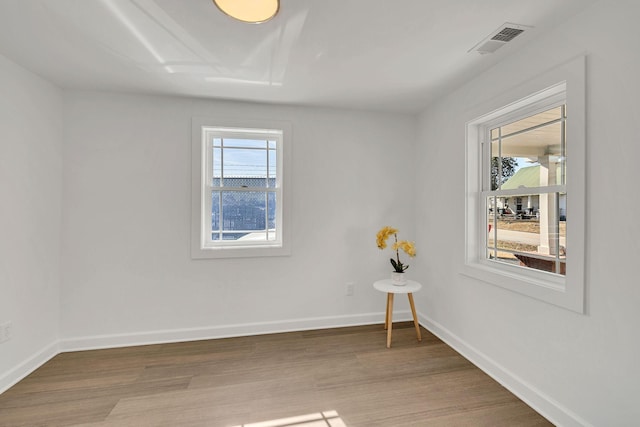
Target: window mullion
499	177
529	129
557	236
222	172
266	214
267	162
563	144
266	193
495	227
242	189
526	191
220	217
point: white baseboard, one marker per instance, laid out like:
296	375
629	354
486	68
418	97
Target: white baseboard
13	376
539	401
224	331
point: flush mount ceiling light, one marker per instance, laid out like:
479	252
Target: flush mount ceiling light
252	11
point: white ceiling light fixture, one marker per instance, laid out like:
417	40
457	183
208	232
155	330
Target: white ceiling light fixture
251	11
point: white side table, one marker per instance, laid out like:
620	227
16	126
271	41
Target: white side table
387	286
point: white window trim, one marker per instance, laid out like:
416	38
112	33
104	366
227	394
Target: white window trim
567	291
199	159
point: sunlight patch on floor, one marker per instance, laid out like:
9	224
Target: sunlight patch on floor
318	419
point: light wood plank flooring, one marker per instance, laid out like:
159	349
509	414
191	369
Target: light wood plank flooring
334	377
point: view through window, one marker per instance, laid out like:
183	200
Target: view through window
525	193
242	187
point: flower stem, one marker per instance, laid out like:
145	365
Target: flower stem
395	236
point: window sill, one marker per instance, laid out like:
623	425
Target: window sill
552	291
239	252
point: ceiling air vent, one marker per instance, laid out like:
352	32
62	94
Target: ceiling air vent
499	38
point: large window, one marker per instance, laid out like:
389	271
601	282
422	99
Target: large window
524	194
525	205
240	209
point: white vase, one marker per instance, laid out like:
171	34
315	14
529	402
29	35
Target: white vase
398	279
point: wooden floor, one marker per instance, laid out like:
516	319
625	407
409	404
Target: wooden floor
335	377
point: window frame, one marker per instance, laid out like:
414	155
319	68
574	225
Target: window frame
564	84
553	101
203	132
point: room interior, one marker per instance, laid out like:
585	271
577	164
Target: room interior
96	107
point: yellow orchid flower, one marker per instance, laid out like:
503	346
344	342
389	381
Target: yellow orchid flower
383	235
408	247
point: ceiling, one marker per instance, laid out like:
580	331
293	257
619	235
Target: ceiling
366	54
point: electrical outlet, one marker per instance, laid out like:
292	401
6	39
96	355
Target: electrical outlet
5	331
350	287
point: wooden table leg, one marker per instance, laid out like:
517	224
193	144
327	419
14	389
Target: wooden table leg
415	317
389	320
386	314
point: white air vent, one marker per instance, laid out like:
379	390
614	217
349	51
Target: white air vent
499	38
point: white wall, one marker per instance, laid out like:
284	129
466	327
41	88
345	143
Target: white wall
578	369
128	276
30	218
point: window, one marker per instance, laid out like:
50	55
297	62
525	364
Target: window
525	190
526	159
238	175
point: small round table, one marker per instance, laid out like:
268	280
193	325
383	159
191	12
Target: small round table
386	285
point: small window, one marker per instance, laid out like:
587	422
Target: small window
525	203
240	191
